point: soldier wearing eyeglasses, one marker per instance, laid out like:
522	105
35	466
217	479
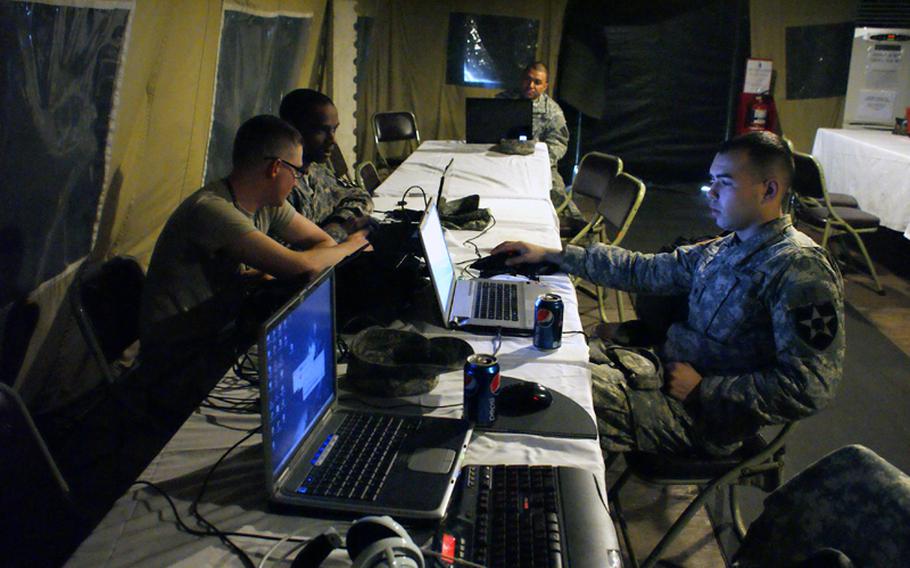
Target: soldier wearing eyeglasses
224	235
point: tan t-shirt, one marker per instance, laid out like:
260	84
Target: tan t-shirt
191	282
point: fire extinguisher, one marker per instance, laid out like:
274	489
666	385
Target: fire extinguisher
757	117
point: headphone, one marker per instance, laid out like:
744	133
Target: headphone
372	542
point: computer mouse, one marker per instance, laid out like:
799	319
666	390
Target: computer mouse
494	263
524	398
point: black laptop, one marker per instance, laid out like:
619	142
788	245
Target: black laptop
490	120
321	457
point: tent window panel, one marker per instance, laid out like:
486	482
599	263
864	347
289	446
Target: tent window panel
258	63
59	72
489	51
818	60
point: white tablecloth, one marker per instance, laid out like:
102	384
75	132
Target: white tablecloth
873	166
140	529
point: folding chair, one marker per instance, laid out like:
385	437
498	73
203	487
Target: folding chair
106	298
339	165
815	207
368	177
36	501
757	460
619	196
591	186
19	321
396	126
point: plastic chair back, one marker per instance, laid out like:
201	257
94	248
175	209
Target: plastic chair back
106	301
595	172
807	178
395	126
620	203
369	177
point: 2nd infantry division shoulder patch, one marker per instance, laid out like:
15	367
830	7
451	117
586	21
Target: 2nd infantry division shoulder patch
816	324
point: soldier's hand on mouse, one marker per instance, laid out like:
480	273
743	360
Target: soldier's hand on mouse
680	379
524	252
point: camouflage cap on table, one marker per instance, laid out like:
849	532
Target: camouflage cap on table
390	362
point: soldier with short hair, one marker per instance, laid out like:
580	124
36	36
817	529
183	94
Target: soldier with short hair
336	205
549	121
763	342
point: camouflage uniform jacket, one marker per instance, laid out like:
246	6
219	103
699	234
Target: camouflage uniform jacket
322	198
765	327
549	127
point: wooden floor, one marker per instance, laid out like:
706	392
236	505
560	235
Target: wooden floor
678	211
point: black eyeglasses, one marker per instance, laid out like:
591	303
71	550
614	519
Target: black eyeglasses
298	172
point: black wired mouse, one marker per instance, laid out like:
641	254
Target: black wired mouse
524	398
496	264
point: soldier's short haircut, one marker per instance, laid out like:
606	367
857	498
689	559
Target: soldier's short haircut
767	152
261	137
298	105
537	66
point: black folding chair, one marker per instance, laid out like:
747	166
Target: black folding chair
396	126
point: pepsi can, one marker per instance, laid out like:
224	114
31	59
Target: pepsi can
481	387
548	311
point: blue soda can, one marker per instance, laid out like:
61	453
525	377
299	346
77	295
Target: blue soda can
481	387
548	311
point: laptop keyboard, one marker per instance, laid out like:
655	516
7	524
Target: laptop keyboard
496	301
354	462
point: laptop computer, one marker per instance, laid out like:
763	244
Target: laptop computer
478	305
322	457
487	121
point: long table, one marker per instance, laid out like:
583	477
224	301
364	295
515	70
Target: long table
141	530
873	166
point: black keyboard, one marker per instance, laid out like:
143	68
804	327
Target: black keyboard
353	463
527	516
496	301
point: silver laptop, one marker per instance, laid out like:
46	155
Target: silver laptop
321	457
479	305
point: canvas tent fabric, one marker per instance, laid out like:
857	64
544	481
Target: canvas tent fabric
406	68
155	157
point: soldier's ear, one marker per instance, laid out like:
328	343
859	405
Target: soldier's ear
772	188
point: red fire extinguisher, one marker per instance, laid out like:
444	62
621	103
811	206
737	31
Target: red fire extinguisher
757	117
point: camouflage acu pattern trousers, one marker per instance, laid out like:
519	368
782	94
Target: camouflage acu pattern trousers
644	420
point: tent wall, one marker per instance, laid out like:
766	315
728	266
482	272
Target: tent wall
406	69
156	158
769	22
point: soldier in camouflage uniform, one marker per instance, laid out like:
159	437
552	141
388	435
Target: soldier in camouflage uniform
764	338
549	121
335	204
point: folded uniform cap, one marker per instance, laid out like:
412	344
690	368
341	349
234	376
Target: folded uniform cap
391	362
463	214
518	147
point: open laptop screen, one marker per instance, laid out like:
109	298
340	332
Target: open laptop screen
440	263
300	369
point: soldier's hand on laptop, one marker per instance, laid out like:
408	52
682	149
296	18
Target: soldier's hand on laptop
358	241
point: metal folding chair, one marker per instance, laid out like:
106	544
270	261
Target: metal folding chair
756	460
618	195
816	207
395	126
367	177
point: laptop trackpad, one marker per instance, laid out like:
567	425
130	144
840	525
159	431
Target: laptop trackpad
432	460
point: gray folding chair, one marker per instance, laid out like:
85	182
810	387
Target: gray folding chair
367	177
816	207
619	196
757	460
